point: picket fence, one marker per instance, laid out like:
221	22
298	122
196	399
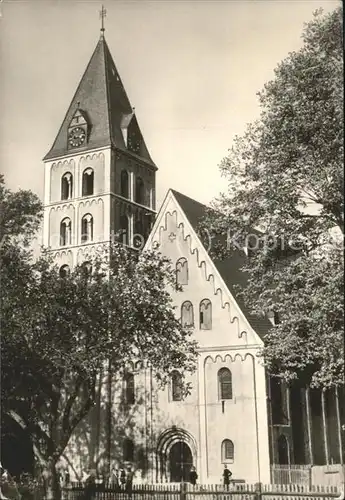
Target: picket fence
186	491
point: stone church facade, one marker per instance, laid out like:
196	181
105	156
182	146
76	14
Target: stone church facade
99	181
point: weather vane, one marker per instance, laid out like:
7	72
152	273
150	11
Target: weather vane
102	14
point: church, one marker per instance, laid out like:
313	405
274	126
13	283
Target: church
100	180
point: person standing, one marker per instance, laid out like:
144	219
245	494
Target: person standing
90	486
226	477
129	480
193	476
114	479
67	477
122	478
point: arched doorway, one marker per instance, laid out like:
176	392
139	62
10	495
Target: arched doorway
176	453
180	462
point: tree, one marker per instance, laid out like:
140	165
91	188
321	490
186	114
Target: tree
59	332
20	213
285	179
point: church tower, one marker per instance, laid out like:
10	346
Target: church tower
99	176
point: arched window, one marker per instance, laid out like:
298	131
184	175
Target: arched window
224	384
139	190
65	232
66	186
88	180
129	396
87	228
176	386
182	271
124	184
227	451
124	229
205	314
187	314
64	271
128	450
283	450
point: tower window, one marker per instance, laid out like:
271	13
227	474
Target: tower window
65	232
124	229
187	314
139	191
224	384
129	396
128	450
176	386
182	271
88	182
66	186
124	184
64	271
205	312
227	451
87	228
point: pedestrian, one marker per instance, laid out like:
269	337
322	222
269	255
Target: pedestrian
226	476
101	481
67	477
193	476
114	478
90	486
122	478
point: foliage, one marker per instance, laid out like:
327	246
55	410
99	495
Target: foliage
21	213
59	332
285	178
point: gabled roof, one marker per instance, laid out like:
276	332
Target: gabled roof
229	268
102	98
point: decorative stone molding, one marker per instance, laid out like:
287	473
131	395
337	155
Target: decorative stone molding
219	358
202	264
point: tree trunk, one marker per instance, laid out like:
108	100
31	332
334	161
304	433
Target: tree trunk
51	482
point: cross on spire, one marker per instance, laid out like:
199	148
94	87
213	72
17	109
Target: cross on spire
102	14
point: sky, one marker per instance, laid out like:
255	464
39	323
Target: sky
191	69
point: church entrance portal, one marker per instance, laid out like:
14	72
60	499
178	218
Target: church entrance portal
180	461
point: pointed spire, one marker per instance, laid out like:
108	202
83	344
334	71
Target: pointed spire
102	101
102	15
